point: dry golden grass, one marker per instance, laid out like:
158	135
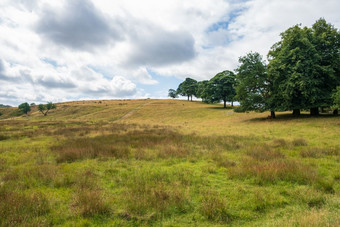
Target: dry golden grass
167	162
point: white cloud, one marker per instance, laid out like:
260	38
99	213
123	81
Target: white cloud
61	50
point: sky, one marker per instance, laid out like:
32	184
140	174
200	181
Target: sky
55	51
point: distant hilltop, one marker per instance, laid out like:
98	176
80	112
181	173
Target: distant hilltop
2	105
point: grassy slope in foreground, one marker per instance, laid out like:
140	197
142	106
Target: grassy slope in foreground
169	162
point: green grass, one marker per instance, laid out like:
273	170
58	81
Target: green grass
167	163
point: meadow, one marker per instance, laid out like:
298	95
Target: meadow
167	163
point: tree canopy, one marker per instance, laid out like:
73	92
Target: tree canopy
24	107
303	72
304	67
44	109
253	86
187	88
222	87
172	93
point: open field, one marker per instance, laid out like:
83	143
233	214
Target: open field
167	163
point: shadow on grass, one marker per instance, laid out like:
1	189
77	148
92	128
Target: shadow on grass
218	107
289	116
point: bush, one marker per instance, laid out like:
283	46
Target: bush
239	109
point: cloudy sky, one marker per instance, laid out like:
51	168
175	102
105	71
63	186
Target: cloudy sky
103	49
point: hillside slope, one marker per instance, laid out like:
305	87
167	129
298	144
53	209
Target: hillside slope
167	162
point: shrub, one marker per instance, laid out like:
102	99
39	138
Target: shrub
239	109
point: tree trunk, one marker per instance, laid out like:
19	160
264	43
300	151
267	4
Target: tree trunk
296	112
272	114
232	103
191	98
314	111
188	97
335	112
225	103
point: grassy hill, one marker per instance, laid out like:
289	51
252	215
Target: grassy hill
167	162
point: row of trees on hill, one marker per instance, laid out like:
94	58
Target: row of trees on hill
220	88
43	108
303	72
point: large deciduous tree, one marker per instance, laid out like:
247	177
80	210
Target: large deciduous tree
172	93
304	67
254	88
44	109
222	87
326	40
24	108
187	88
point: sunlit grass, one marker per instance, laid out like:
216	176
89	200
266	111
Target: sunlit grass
176	163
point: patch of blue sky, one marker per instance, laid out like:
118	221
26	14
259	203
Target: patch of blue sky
164	84
103	72
218	25
50	61
225	21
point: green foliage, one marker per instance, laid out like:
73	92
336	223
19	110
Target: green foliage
172	93
24	108
2	105
168	164
304	67
222	87
203	91
44	109
253	86
187	88
336	98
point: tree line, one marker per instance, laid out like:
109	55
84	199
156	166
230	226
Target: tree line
25	108
302	73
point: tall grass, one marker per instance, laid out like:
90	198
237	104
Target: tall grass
17	208
186	164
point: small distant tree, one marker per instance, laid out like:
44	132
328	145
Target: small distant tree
187	88
172	93
44	109
24	108
223	87
0	114
32	104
